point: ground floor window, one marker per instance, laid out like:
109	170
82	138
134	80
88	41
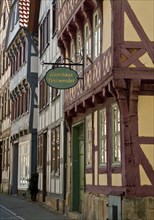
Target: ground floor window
109	134
55	150
24	162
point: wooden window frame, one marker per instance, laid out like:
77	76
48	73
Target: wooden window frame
115	134
102	137
79	49
88	140
96	34
87	43
54	17
45	33
55	151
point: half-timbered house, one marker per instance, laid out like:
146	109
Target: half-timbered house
5	119
21	48
50	156
110	112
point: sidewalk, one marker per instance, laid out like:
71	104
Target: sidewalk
26	210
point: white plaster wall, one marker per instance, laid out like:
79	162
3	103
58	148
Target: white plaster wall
52	115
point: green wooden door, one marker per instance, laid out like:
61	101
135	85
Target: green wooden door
81	167
78	167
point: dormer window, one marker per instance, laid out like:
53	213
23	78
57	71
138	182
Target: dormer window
15	16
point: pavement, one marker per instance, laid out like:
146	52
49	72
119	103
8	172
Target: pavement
14	208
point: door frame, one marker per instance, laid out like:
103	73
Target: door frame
115	201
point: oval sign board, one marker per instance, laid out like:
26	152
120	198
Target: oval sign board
61	78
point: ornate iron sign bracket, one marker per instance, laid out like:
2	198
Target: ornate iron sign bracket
68	62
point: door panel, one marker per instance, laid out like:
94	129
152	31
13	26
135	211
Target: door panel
81	167
78	167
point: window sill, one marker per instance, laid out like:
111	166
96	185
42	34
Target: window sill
116	168
89	169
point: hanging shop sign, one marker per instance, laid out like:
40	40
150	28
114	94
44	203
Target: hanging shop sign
61	77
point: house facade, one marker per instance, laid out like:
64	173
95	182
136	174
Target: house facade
50	156
109	113
5	119
22	50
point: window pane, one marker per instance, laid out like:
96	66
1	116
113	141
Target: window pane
89	140
116	151
102	137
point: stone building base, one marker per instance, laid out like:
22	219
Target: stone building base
138	208
56	204
5	186
96	208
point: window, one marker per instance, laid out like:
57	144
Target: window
27	99
40	151
54	17
72	51
3	154
45	33
43	94
7	102
87	49
55	150
3	62
12	20
97	33
54	93
24	51
4	18
24	168
102	137
79	50
7	153
16	14
89	140
116	151
1	108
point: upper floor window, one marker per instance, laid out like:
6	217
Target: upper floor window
54	17
89	140
45	33
102	137
54	93
116	147
97	34
78	49
4	18
15	16
43	94
72	51
87	49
